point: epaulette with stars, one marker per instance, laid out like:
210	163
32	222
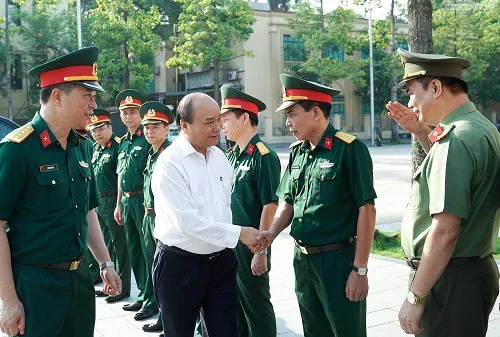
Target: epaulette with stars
20	134
294	144
118	140
345	137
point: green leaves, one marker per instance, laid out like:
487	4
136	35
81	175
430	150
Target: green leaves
207	29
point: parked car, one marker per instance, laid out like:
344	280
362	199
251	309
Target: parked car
6	126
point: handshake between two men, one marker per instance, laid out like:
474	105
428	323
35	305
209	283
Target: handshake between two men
256	240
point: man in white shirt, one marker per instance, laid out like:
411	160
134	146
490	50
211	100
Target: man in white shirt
194	265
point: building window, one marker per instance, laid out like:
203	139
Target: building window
13	9
337	108
16	73
293	49
335	53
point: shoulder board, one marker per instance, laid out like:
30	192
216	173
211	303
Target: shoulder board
294	144
230	149
262	148
19	135
345	137
118	140
445	133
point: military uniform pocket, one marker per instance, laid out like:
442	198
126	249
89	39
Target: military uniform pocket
53	187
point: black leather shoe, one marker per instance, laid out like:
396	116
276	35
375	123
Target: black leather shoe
136	306
145	313
153	327
100	293
161	335
113	299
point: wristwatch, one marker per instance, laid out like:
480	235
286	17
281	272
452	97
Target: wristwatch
414	299
263	252
362	271
107	264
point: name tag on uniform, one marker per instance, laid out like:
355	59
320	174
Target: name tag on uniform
83	164
49	168
326	165
137	148
244	168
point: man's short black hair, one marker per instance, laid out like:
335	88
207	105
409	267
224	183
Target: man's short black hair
47	91
455	85
309	105
254	120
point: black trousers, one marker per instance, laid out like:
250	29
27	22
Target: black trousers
461	301
185	283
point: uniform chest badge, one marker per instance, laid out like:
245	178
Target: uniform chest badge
83	164
137	148
244	168
106	155
48	168
326	165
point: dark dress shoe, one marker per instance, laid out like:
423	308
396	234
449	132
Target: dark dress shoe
161	335
100	293
136	306
153	327
113	299
145	313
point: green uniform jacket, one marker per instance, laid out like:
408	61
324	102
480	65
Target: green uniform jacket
47	194
132	158
104	161
326	187
460	175
256	179
148	173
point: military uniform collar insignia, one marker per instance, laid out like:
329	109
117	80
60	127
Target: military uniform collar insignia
250	149
435	134
108	144
45	138
138	132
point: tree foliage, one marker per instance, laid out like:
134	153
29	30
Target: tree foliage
124	33
322	36
472	32
209	30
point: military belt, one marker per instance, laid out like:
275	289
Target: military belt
132	194
189	255
148	210
67	265
454	261
309	250
105	194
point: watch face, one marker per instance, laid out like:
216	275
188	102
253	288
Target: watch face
410	297
362	271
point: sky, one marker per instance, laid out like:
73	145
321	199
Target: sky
377	13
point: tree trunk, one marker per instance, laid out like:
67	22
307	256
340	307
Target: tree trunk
7	62
322	18
419	41
394	91
126	72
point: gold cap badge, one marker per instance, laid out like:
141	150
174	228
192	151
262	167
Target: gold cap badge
94	118
94	69
151	112
129	99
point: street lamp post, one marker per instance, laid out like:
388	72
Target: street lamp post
372	104
79	23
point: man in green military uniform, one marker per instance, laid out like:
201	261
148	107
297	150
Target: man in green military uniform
452	221
129	212
104	162
49	201
328	197
156	118
253	203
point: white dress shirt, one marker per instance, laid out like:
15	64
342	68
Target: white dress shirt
192	199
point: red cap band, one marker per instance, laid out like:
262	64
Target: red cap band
236	103
68	74
307	95
130	102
